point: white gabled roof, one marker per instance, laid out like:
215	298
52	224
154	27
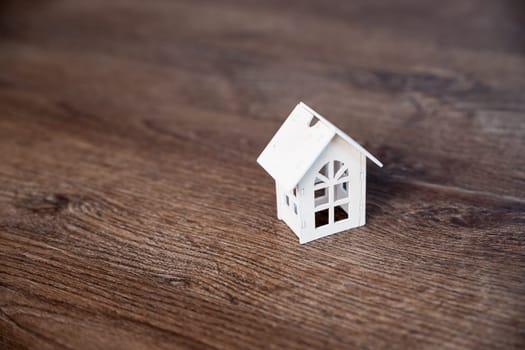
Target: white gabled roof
296	146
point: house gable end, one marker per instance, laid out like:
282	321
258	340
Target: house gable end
298	143
295	147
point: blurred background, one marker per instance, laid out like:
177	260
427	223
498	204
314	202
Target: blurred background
397	76
133	214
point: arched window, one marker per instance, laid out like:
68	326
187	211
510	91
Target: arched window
331	194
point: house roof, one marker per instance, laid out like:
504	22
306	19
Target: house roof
296	146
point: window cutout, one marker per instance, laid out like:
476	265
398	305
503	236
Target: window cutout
341	212
337	166
295	208
343	174
324	170
320	192
321	196
295	191
287	200
321	218
313	121
341	191
331	191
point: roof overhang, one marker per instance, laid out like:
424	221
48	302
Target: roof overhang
296	145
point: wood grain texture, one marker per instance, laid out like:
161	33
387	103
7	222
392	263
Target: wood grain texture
133	214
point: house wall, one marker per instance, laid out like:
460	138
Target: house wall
362	218
338	149
289	211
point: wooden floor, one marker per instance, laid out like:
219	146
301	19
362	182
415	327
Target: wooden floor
133	214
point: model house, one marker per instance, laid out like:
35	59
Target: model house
319	173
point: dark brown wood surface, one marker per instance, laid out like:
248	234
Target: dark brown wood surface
133	214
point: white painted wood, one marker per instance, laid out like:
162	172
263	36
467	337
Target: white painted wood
306	158
278	200
295	147
362	217
344	135
290	209
338	150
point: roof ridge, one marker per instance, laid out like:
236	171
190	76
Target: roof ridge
342	134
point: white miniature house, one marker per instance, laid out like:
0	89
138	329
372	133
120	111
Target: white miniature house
319	173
